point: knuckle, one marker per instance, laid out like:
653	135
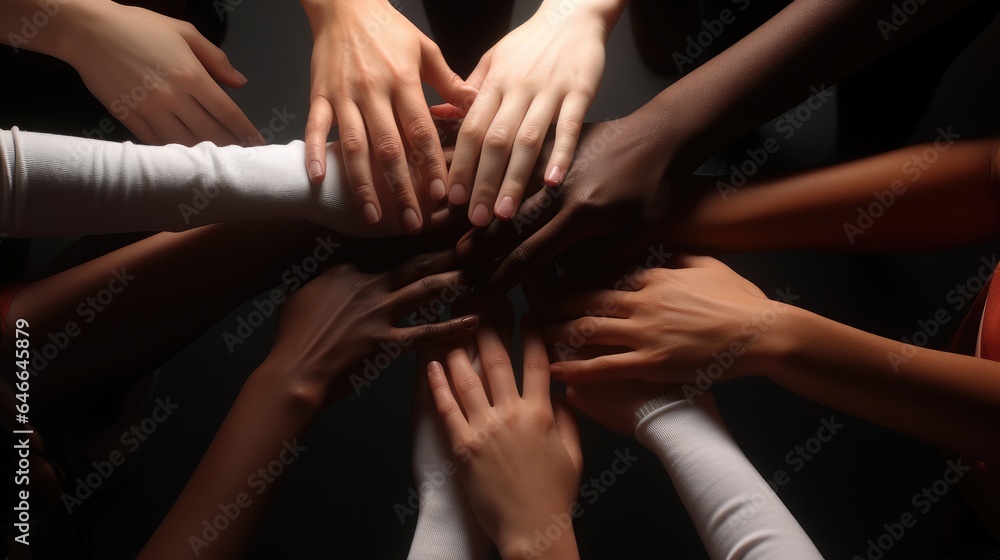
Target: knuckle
351	142
388	147
497	140
447	408
528	137
467	384
498	359
522	254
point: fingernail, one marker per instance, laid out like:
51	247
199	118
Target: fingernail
315	171
457	195
435	368
555	177
370	212
470	323
240	77
464	248
480	216
410	220
437	189
506	208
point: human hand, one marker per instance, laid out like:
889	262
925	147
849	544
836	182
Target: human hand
615	185
697	319
157	75
545	71
326	328
520	457
368	62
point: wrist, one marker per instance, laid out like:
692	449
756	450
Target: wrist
320	12
781	349
69	29
282	382
525	545
602	13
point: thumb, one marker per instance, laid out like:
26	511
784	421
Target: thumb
568	426
212	58
436	72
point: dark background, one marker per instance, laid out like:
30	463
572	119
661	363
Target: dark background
339	499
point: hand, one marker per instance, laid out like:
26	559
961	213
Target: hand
615	185
699	319
549	67
155	74
327	327
520	457
613	404
368	62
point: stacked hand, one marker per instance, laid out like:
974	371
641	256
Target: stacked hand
368	63
519	453
157	75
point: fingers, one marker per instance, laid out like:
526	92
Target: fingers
421	134
444	400
357	159
419	267
604	331
212	57
497	366
568	426
140	127
171	129
536	365
571	116
602	368
227	112
434	292
387	145
500	237
317	131
468	386
497	145
436	72
469	146
606	303
203	124
435	333
523	155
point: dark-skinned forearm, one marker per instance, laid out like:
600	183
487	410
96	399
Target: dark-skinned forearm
810	45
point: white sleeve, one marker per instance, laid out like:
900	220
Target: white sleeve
738	516
52	185
447	528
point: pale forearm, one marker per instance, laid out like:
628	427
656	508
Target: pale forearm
808	46
47	26
236	478
604	13
935	195
948	400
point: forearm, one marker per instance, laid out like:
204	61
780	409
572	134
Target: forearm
936	195
948	400
46	26
736	513
236	477
561	548
808	46
604	13
52	185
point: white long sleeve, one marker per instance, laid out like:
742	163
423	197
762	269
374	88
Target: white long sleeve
52	185
736	513
447	528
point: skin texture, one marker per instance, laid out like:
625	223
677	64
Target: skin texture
799	51
939	397
368	63
519	455
545	71
323	331
155	74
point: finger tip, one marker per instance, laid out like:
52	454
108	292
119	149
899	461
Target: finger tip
411	221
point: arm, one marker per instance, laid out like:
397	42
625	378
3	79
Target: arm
53	185
519	456
155	74
701	322
323	332
368	63
545	71
736	513
624	172
935	195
